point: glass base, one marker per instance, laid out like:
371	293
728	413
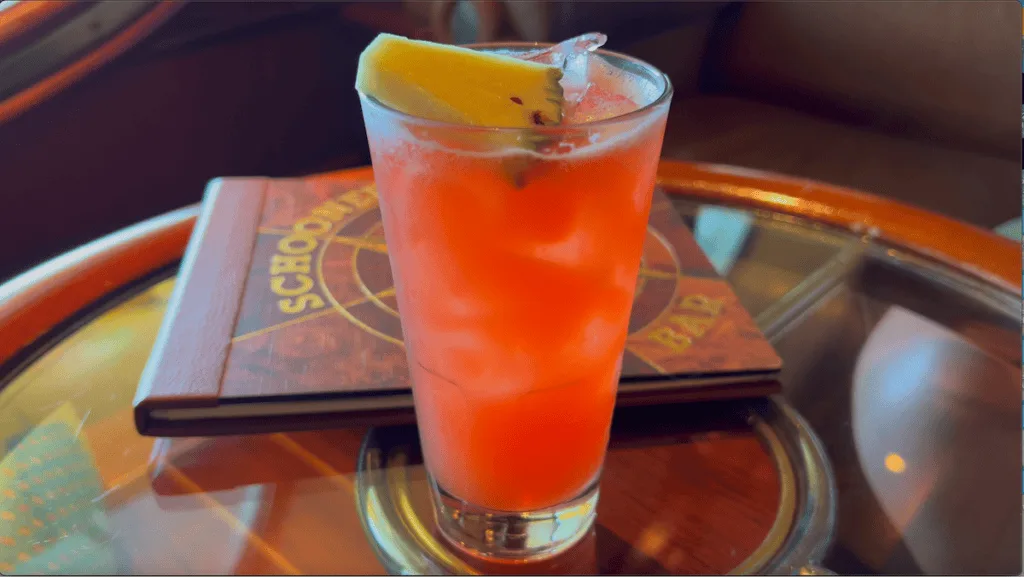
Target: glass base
398	507
514	537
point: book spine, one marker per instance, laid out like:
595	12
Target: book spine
187	361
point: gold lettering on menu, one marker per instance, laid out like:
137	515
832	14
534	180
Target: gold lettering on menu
277	285
285	264
313	225
332	210
290	268
296	243
692	318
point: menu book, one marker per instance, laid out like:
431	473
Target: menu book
284	317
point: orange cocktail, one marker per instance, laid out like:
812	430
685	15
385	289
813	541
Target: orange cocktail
515	254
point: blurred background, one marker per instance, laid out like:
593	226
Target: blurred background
112	112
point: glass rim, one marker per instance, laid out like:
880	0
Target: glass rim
640	112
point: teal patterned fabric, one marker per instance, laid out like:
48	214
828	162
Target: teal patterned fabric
51	517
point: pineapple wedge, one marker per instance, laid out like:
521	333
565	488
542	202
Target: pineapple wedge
459	85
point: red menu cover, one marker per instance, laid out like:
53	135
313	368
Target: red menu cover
284	317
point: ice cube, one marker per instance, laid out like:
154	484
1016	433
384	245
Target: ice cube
611	92
600	339
573	57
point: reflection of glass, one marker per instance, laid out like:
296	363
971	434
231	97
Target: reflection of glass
910	374
515	271
722	234
923	463
1011	229
776	259
50	521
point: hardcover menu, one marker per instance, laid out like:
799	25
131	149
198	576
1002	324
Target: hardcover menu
284	317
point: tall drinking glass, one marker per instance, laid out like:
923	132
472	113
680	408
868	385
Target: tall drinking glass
515	255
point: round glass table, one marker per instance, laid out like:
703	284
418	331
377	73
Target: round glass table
893	447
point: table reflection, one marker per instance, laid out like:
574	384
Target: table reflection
52	518
929	414
913	383
722	234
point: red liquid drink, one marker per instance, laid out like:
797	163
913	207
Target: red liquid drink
515	256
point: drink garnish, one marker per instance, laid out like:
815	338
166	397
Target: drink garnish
536	88
460	85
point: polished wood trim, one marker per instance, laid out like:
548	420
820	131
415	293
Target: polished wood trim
63	78
25	16
38	300
969	249
353	174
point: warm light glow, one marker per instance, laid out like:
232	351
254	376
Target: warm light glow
652	540
895	463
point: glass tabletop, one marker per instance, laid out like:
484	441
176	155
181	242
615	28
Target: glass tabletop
904	374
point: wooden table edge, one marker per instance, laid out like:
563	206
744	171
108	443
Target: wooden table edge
35	302
33	15
23	17
967	248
